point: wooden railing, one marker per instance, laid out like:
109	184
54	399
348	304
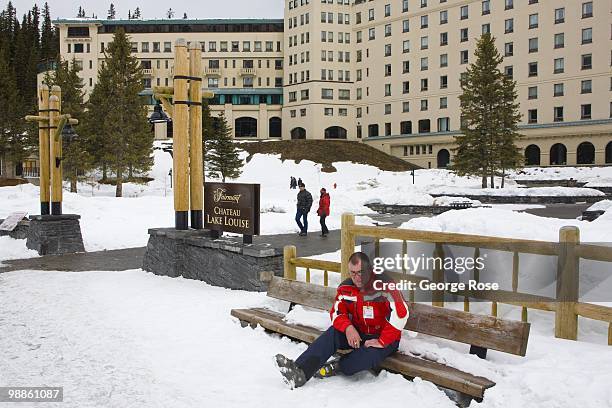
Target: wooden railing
569	251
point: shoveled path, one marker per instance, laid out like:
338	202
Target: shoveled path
131	258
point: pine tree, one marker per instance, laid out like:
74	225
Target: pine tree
170	13
76	159
136	14
49	47
111	12
117	115
184	16
129	14
489	116
222	156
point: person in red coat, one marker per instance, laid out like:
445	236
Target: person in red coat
323	211
367	316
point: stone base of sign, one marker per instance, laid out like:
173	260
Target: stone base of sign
20	231
55	234
225	261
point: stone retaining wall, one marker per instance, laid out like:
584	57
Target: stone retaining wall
20	231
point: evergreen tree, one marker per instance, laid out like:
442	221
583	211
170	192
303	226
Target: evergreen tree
76	159
170	13
222	156
49	42
184	16
136	14
489	116
111	12
117	116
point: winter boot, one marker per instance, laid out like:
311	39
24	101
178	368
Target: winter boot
292	374
329	369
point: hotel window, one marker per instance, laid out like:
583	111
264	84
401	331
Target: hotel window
387	89
340	18
424	84
558	114
423	3
156	47
406	87
213	82
359	112
443	126
533	21
292	113
443	60
78	48
486	28
223	46
424	42
463	34
443	81
532	92
444	17
404	6
558	90
509	71
143	46
330	18
358	18
424	64
327	93
405	67
371	33
167	46
587	9
533	44
508	49
532	116
587	35
464	57
424	21
304	94
486	7
387	69
133	45
560	15
342	112
586	61
236	45
443	39
406	46
405	26
443	102
246	46
585	111
405	106
559	64
586	86
424	104
302	112
387	30
464	12
387	10
559	40
371	14
509	4
509	25
533	69
387	50
329	111
269	46
533	1
387	109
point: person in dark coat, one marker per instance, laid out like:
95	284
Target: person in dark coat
323	211
292	183
304	203
300	181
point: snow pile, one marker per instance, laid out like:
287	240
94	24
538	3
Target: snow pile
14	249
594	176
603	205
446	201
112	337
530	192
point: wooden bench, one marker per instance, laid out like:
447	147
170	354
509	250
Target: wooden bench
480	332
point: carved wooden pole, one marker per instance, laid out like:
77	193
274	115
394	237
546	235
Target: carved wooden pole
196	171
43	150
181	136
56	150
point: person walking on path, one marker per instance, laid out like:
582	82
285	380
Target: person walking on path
292	183
304	203
323	211
300	181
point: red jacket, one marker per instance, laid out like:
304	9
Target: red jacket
382	313
323	205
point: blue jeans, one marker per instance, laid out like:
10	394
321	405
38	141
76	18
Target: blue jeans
302	214
363	358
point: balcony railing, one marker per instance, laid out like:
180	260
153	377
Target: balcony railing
212	72
147	71
248	72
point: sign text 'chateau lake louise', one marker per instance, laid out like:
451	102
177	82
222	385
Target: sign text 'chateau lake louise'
232	207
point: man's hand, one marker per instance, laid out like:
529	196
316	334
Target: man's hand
373	343
353	337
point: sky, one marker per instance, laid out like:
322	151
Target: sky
151	9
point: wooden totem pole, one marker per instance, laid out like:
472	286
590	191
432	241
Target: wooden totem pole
50	125
186	113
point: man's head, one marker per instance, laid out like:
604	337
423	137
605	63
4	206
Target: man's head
360	269
302	186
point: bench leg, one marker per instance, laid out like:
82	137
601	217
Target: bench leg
481	352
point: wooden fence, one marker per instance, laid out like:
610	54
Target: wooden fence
569	251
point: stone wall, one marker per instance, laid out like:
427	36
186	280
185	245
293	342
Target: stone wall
225	261
55	234
20	231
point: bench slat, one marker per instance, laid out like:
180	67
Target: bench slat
508	336
411	366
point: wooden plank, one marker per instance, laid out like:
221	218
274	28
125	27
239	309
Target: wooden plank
316	264
568	263
479	330
289	253
594	252
347	243
497	243
408	365
180	171
196	163
596	312
315	296
44	147
469	328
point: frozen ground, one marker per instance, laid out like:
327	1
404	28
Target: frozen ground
133	339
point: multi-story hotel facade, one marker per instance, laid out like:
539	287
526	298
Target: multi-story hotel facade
387	72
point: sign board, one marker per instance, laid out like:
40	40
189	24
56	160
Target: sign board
232	207
12	220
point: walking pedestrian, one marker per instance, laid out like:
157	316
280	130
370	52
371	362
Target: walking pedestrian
300	181
304	203
323	211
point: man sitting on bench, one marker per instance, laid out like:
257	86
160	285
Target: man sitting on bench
367	320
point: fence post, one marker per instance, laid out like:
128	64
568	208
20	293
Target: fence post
289	253
347	243
566	319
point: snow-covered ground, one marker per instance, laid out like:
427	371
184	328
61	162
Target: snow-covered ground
112	223
595	176
133	339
